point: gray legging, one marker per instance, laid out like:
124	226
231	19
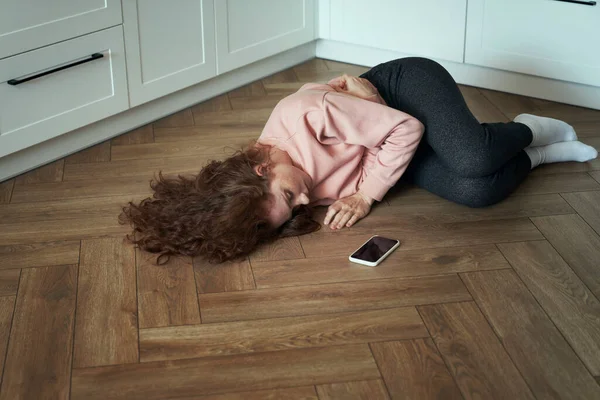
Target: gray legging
458	159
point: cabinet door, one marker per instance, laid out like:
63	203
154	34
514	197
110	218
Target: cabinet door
169	46
553	39
29	24
433	28
248	31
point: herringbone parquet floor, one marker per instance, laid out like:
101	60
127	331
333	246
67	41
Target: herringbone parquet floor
496	303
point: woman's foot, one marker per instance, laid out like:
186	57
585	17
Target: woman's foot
561	152
547	130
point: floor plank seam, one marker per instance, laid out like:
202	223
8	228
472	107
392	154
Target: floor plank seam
197	293
74	324
78	197
387	389
416	277
220	356
215	356
493	103
193	115
580	216
11	191
153	135
137	303
252	272
79	258
295	73
74	321
12	321
62	176
491	326
302	247
314	387
583	283
229	101
335	312
491	242
505	258
549	317
441	274
299	316
231	149
446	362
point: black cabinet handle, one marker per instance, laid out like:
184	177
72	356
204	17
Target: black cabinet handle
93	57
583	2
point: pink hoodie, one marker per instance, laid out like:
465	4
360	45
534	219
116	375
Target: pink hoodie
344	143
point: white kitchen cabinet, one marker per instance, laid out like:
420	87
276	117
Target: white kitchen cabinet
170	46
52	103
29	24
433	28
548	38
248	31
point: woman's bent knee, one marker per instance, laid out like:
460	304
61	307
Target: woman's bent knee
473	166
480	202
479	194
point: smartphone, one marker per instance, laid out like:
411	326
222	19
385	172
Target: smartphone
374	251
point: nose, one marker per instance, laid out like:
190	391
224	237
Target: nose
303	199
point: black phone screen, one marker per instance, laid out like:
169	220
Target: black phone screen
374	249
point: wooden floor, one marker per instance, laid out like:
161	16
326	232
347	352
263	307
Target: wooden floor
496	303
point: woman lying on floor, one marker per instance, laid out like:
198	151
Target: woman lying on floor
345	145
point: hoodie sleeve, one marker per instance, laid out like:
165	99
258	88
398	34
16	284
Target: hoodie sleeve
394	133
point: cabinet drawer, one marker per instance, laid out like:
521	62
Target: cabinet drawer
28	24
50	105
553	39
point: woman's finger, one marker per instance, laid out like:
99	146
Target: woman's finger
353	220
338	83
344	220
331	212
337	219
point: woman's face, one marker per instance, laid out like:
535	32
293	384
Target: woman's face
289	187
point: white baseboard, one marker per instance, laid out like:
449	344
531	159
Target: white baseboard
74	141
467	74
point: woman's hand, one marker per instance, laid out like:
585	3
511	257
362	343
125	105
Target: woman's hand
354	86
346	211
357	87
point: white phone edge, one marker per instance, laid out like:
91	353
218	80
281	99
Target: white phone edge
368	263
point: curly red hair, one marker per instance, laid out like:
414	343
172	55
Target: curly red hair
219	214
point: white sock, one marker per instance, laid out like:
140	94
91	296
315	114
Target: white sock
547	130
561	152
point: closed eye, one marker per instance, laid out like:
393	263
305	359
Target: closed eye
289	197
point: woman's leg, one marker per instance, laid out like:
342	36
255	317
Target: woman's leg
425	90
427	170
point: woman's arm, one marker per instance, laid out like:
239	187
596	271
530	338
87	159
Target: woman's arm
350	85
357	87
393	133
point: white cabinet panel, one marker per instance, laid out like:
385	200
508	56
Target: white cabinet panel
50	105
547	38
170	46
29	24
433	28
248	31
